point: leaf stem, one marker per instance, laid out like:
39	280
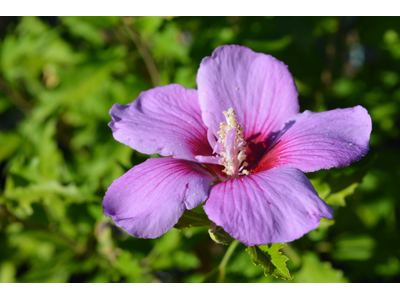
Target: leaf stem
225	259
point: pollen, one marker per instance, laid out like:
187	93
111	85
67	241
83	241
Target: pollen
234	146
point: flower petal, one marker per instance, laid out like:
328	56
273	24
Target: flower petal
257	86
274	206
314	141
208	159
150	198
165	120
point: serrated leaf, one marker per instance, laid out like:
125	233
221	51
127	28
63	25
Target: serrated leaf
271	259
192	219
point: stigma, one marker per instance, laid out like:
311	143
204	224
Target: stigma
232	146
229	147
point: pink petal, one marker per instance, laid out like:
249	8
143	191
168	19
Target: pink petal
150	198
165	120
208	159
274	206
314	141
257	86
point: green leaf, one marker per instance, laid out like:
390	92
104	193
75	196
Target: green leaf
218	235
315	271
391	268
9	142
339	197
192	219
355	247
271	259
83	29
7	272
335	185
269	46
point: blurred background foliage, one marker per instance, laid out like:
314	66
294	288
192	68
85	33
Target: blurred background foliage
59	76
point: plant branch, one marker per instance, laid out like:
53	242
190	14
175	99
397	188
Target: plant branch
144	53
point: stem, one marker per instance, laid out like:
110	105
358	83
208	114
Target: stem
225	259
144	53
14	96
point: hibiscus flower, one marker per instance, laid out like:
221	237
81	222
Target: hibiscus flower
238	143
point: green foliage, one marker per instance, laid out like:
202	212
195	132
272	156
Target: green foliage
313	271
59	77
218	235
271	259
192	219
219	273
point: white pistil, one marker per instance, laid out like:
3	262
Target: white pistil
234	146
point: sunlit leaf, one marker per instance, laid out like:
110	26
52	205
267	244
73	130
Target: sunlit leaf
271	259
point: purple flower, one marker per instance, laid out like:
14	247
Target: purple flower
242	129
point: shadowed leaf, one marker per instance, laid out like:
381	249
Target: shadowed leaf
192	219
